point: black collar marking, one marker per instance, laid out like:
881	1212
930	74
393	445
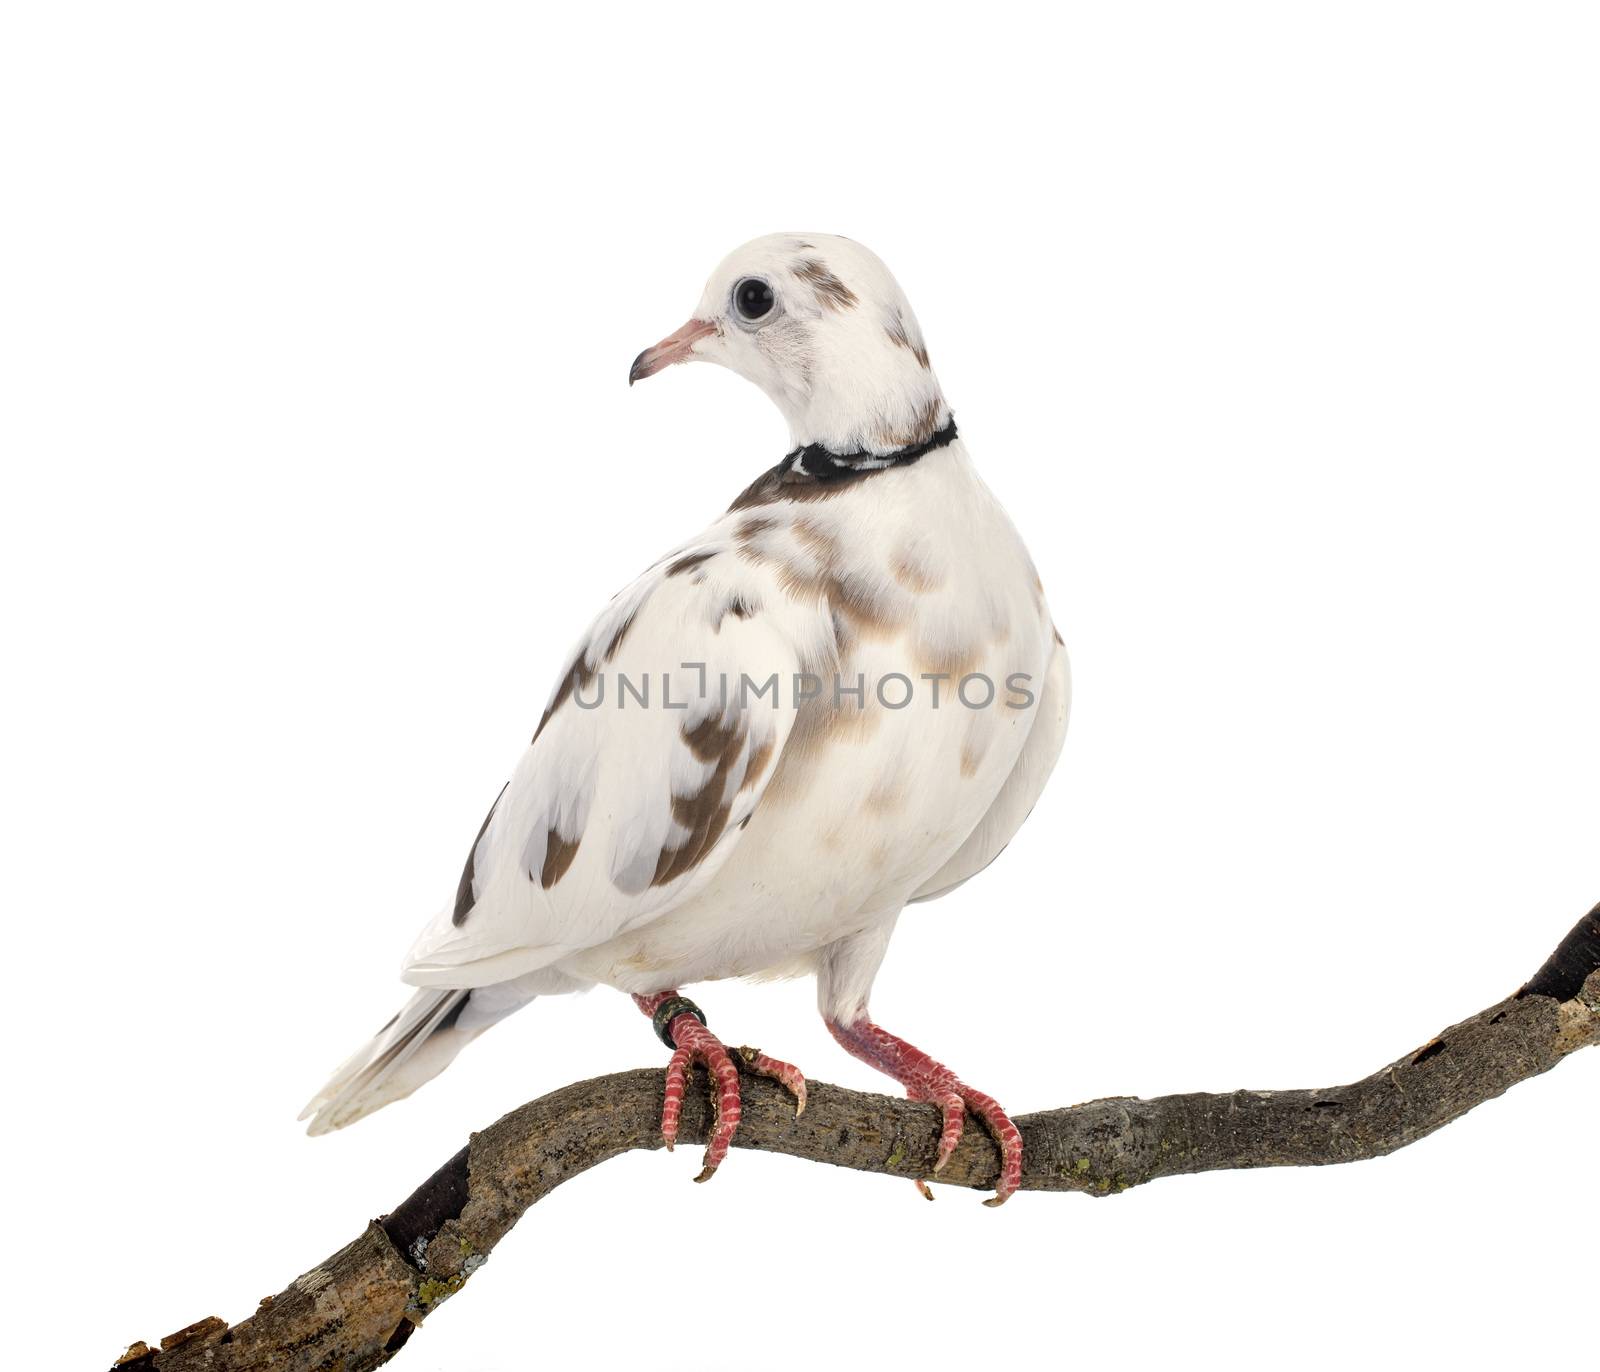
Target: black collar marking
821	464
812	472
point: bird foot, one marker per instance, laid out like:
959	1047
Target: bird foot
933	1083
683	1028
954	1098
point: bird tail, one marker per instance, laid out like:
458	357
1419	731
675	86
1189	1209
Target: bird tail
412	1048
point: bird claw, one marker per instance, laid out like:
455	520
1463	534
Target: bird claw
940	1086
932	1083
1006	1135
698	1045
790	1077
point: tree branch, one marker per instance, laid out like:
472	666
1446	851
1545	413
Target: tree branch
358	1307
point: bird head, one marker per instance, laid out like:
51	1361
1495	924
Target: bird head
821	326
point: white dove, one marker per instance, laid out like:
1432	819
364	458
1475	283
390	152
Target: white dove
843	697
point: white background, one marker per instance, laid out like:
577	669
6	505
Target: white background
1273	325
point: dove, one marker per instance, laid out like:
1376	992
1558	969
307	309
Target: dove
840	699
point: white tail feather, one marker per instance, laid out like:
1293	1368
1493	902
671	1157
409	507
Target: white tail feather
414	1047
419	1043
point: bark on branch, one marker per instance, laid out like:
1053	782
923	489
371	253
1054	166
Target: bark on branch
358	1307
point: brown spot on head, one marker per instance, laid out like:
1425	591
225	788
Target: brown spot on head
558	855
831	293
901	339
922	426
971	759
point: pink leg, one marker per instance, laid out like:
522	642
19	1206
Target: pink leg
927	1080
692	1042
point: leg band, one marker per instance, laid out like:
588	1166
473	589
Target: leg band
668	1011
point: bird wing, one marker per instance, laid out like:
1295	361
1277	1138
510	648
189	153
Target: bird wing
622	808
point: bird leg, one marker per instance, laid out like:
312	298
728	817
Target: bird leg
682	1027
930	1081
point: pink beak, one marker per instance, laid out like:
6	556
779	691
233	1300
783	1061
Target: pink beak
675	347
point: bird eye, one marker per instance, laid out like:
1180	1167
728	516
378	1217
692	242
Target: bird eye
753	298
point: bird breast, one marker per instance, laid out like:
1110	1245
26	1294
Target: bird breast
921	626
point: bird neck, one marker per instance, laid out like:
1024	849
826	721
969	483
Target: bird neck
866	406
